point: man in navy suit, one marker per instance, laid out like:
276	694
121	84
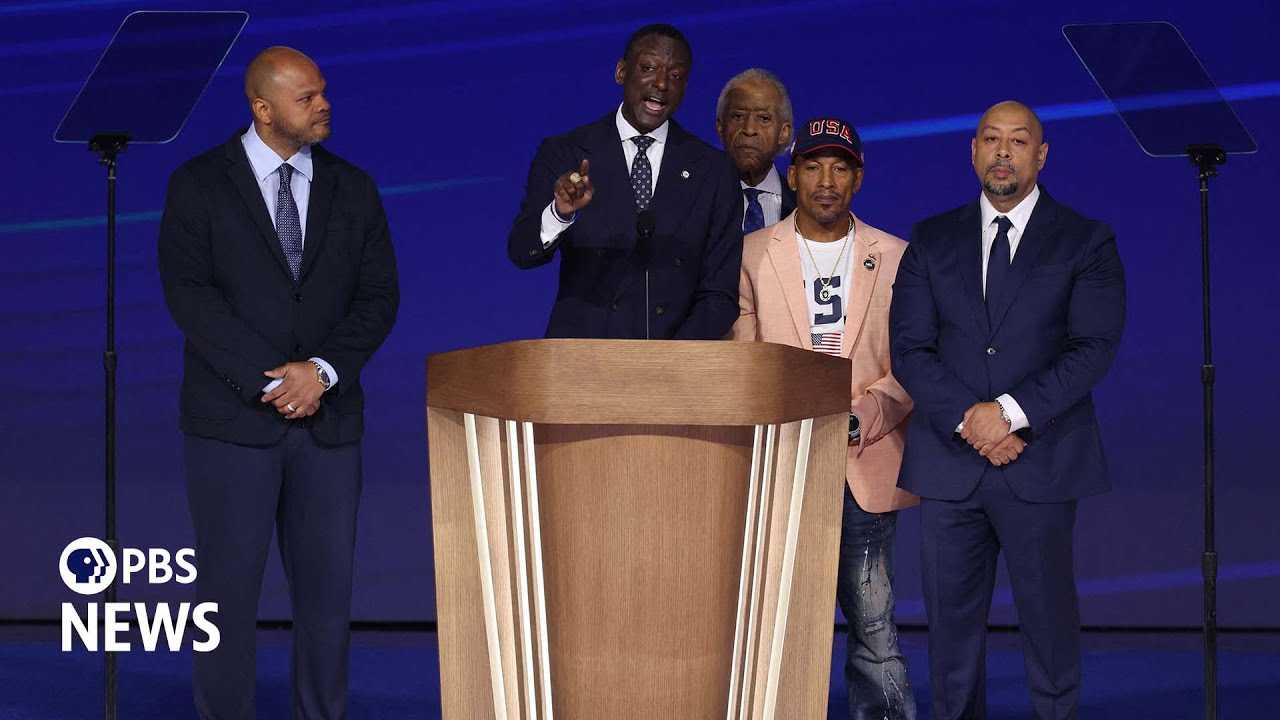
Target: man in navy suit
1006	313
278	269
754	122
646	217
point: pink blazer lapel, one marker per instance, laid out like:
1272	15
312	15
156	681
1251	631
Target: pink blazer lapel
864	272
785	258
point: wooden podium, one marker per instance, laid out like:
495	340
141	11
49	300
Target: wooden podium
636	529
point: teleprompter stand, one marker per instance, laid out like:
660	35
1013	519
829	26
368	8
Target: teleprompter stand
1173	109
142	91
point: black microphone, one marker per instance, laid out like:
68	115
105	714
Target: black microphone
644	253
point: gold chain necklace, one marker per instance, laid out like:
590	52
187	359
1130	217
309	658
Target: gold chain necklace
825	293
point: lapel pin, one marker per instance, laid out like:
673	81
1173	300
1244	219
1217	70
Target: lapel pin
869	263
684	174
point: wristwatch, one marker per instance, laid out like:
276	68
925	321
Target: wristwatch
322	376
1004	414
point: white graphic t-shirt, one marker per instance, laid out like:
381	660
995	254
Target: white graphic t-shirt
827	294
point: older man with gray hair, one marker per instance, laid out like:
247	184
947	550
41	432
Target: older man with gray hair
753	120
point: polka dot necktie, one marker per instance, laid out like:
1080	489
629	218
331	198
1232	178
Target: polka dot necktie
642	172
288	226
753	219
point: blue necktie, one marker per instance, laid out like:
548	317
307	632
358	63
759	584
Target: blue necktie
754	218
288	226
998	263
642	172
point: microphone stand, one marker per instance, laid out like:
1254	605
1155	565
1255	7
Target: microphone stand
644	252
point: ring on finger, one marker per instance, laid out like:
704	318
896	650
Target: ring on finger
291	408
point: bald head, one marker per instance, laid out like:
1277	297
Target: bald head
271	67
1015	112
1009	152
286	95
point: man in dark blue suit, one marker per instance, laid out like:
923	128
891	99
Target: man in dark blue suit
278	269
754	122
1006	313
646	217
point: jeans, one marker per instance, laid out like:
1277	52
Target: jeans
875	669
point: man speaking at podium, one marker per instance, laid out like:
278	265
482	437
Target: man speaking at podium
646	217
278	268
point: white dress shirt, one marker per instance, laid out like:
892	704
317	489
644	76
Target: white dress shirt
553	224
1018	216
770	198
266	165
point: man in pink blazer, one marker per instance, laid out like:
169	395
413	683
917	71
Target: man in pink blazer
821	279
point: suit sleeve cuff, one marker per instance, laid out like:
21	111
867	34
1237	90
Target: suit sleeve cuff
1017	418
553	224
328	370
272	385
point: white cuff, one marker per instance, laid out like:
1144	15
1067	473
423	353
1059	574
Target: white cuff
1017	418
333	376
553	224
328	370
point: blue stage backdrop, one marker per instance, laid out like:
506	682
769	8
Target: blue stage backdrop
444	103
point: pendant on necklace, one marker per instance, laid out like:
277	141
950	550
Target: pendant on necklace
825	293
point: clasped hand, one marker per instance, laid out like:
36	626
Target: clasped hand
298	396
986	430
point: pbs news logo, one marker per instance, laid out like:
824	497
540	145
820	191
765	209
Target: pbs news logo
88	566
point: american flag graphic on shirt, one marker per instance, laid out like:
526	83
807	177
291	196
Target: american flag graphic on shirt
829	343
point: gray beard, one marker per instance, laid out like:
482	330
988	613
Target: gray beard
1010	188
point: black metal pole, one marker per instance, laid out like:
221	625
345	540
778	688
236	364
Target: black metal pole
108	147
1207	158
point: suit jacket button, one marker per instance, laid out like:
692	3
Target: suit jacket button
991	351
613	306
297	297
659	310
297	348
679	262
533	252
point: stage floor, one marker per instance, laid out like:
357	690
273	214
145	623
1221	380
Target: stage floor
394	675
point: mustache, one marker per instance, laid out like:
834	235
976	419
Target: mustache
1000	163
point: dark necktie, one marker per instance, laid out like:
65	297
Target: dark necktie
998	262
754	219
642	172
288	226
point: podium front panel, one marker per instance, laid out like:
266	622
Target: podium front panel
591	570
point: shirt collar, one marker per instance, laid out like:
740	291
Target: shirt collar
626	131
771	183
265	161
1019	215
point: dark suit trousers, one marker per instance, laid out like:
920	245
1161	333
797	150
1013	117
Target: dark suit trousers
308	494
961	543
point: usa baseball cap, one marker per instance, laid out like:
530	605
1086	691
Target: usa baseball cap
827	133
